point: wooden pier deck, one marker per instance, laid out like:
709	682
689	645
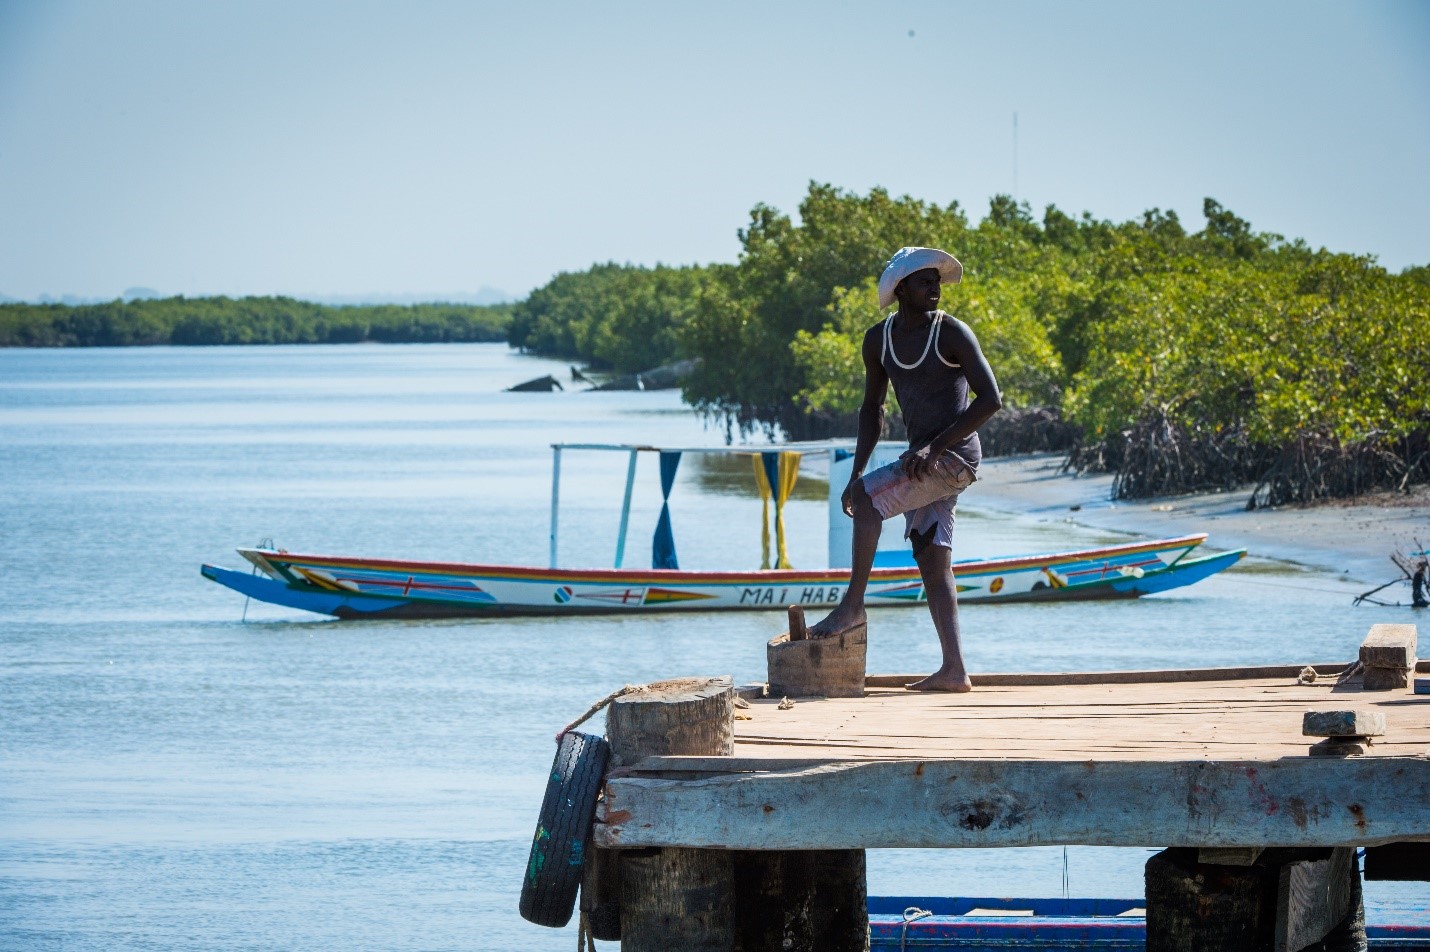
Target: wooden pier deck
1211	758
738	822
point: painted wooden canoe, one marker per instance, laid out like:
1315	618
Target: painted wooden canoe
1059	925
350	587
365	588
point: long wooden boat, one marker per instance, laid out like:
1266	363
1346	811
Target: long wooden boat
349	587
1058	925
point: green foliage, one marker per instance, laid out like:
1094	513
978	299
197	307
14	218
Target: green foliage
1154	342
252	320
746	328
621	317
1241	342
1325	347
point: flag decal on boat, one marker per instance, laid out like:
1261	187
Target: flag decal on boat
911	591
659	596
628	596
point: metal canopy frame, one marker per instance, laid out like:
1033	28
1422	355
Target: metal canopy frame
812	447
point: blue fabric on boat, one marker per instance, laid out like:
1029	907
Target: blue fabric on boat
663	547
771	463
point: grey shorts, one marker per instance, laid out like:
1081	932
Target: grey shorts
925	503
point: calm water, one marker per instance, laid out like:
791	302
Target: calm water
175	776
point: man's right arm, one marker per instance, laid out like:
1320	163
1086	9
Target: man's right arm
871	411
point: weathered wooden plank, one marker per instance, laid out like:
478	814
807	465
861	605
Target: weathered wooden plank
1229	857
1313	897
1352	723
1389	646
980	803
1171	675
1403	862
1195	908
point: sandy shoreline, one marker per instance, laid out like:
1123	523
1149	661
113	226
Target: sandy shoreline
1355	540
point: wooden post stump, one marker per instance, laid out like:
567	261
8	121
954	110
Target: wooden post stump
677	899
674	898
601	893
693	716
801	901
1285	901
816	667
806	900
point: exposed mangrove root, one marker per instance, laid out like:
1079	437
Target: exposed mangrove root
1030	430
1317	466
1161	457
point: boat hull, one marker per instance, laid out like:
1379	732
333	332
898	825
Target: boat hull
1053	925
368	588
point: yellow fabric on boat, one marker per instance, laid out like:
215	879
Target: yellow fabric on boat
785	472
789	473
763	484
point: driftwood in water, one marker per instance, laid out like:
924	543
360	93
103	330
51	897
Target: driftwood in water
537	385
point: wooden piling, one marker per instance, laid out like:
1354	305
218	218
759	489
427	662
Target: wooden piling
1284	901
694	716
812	900
801	901
674	898
677	899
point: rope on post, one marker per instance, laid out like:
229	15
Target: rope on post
585	942
911	914
594	708
1351	671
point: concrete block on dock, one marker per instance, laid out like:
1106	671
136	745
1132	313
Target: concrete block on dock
1352	723
1388	657
1389	646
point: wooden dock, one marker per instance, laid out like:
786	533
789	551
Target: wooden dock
1179	758
733	819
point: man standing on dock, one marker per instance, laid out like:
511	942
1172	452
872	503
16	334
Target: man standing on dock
943	455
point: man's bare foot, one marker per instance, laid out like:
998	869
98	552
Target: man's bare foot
942	681
838	622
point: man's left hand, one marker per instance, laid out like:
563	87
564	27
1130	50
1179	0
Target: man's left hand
917	463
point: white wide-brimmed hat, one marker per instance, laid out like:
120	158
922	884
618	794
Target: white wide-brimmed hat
908	260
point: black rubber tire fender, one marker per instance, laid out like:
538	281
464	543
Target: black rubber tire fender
558	850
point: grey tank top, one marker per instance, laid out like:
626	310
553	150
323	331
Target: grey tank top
932	392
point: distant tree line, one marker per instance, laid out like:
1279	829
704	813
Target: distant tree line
250	320
614	317
1178	360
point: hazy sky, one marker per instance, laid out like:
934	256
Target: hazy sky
347	148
